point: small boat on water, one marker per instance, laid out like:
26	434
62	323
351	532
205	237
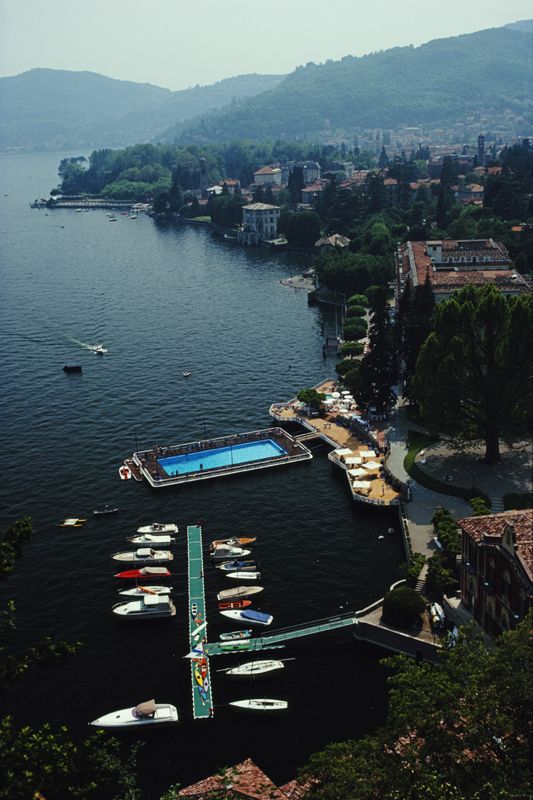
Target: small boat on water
72	369
223	551
186	373
244	566
145	554
151	538
149	713
250	616
145	573
252	668
228	605
235	541
151	606
141	591
99	349
243	576
235	635
125	472
238	591
72	522
100	512
158	527
261	704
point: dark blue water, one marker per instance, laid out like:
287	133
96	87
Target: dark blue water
163	299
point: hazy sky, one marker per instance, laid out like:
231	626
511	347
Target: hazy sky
179	43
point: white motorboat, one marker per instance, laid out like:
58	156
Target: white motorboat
145	555
225	551
252	668
261	704
243	576
238	591
98	349
149	713
151	606
248	616
158	527
143	591
152	538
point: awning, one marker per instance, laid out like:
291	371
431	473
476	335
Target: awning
372	465
367	453
353	460
343	452
361	484
357	473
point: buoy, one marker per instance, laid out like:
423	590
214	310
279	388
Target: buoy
381	537
390	530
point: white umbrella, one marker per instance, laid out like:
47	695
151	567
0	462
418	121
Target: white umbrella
371	465
357	473
345	451
328	401
367	454
345	391
353	460
335	395
361	484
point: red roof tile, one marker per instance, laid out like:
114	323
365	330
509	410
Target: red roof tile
492	527
244	780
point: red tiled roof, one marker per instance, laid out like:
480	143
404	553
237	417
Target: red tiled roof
491	528
244	780
267	170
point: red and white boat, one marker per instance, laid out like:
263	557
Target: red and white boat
227	605
125	472
145	573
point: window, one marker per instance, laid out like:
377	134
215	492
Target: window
506	586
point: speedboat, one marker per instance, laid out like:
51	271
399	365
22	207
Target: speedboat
125	472
235	541
158	527
244	566
99	349
227	605
145	554
235	635
149	713
238	591
252	668
250	616
186	373
261	704
243	576
151	606
142	591
105	510
150	538
72	522
224	551
145	573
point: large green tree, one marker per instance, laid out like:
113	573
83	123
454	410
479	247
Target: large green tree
460	730
475	370
378	370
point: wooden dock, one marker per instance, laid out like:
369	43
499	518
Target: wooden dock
202	701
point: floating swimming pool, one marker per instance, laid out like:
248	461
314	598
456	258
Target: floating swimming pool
219	457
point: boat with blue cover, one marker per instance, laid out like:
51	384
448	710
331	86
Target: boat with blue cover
242	566
250	616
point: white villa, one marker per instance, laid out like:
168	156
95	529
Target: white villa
259	221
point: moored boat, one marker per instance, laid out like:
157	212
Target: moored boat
145	573
227	605
255	667
235	635
250	616
141	591
158	527
72	522
261	704
238	591
243	576
145	555
244	566
125	472
99	512
234	541
225	552
149	713
151	538
151	606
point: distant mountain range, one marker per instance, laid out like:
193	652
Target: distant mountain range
444	81
56	109
489	73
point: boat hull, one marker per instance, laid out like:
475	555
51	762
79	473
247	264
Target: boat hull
142	591
152	539
252	668
243	576
225	553
249	617
125	718
261	704
232	636
158	527
239	591
132	574
159	557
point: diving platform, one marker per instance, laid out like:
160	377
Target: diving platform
180	464
202	700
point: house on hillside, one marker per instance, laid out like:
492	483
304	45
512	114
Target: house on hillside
259	222
244	781
497	568
268	176
329	242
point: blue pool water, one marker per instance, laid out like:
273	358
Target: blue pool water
222	457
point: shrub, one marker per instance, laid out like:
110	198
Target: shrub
355	311
402	607
355	329
440	580
351	349
344	366
415	567
479	506
358	300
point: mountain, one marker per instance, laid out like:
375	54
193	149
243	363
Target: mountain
55	109
521	25
442	81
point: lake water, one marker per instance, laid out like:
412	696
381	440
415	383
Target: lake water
162	299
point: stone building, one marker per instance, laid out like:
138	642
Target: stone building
259	222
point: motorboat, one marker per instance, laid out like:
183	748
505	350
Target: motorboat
223	551
72	522
151	606
145	554
142	591
244	566
250	616
238	591
98	349
235	541
152	538
145	573
149	713
125	472
252	668
186	373
100	512
72	369
158	527
235	635
243	576
228	605
261	704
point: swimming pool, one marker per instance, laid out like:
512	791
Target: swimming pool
222	457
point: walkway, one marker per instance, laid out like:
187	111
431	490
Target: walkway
202	701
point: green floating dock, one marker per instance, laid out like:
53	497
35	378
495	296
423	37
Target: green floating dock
202	700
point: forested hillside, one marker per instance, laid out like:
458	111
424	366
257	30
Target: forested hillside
446	79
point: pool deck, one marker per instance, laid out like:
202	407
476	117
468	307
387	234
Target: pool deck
202	700
379	492
148	461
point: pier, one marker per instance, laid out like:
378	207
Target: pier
202	701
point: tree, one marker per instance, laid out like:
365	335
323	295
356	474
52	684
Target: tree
311	398
402	607
295	185
460	730
474	372
378	367
303	229
413	325
351	349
